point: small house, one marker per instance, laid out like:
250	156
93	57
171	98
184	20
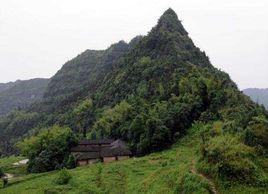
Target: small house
104	150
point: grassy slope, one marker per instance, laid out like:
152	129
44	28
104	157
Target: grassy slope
6	164
161	172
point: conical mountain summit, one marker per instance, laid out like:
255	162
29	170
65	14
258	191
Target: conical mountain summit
169	21
170	38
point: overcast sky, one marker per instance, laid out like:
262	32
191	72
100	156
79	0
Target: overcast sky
38	36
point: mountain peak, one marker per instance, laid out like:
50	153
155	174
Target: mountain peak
169	21
170	11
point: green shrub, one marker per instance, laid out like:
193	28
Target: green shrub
231	158
48	149
192	183
204	167
3	179
164	163
70	163
51	191
257	134
63	177
91	189
58	190
3	182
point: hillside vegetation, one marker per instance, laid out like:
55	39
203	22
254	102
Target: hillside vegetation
148	93
169	171
82	74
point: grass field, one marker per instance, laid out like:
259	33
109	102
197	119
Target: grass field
6	164
163	172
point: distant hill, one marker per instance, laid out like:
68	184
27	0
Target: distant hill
258	95
5	86
21	94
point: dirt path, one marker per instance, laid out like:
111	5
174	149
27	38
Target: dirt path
21	162
212	185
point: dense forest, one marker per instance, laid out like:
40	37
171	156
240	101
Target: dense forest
148	92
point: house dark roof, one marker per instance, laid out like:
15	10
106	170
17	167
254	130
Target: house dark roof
95	142
81	148
89	149
117	148
84	142
114	151
118	143
88	155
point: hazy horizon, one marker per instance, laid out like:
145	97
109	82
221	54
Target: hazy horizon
38	37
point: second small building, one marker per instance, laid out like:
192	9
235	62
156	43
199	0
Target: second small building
104	150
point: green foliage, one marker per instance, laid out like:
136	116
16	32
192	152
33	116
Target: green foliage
6	164
48	150
226	157
1	172
75	81
3	179
231	158
70	162
3	182
135	175
109	121
257	134
14	125
63	177
84	114
148	93
194	184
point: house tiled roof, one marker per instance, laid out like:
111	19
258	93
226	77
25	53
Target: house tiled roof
118	143
117	148
88	155
90	149
114	151
81	148
95	142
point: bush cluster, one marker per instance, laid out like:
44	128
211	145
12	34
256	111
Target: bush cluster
49	149
63	177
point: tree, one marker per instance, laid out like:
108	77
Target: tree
63	177
49	149
109	122
84	115
257	134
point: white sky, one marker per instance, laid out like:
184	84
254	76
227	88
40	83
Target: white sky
38	36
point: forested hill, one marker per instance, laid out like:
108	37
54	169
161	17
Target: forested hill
82	75
148	93
77	79
21	94
259	96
